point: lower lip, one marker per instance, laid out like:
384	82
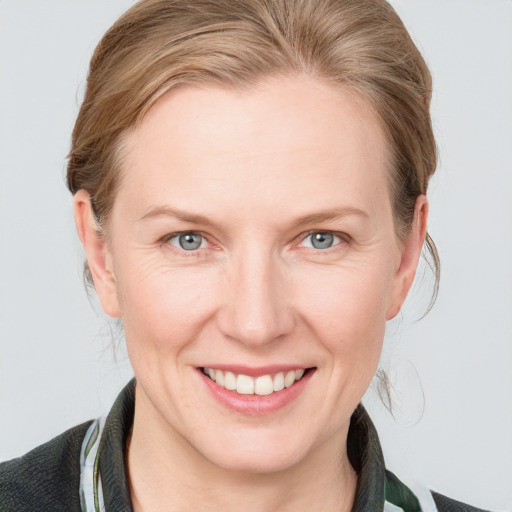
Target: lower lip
256	405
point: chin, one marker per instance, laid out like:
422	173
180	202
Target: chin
254	456
256	463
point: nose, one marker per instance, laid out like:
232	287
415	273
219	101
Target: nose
256	309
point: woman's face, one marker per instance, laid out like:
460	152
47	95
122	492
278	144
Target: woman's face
253	235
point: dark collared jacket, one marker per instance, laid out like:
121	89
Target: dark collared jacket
54	476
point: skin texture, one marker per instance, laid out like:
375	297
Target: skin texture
260	167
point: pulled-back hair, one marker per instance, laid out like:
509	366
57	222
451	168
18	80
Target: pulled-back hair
157	44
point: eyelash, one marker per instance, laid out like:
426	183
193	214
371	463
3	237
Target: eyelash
165	241
343	239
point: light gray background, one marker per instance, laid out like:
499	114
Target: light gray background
56	364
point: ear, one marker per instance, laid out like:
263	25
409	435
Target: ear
98	254
409	256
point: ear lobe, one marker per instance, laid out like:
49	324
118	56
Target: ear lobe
410	254
98	255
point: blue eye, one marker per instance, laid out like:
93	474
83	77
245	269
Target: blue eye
321	240
187	241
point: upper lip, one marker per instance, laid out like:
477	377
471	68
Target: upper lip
256	371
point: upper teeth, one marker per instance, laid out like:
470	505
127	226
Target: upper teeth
246	385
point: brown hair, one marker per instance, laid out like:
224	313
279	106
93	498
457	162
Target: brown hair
157	44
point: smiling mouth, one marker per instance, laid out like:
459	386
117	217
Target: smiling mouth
263	385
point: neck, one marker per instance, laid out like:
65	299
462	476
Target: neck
164	469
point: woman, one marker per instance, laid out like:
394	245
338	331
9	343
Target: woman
249	185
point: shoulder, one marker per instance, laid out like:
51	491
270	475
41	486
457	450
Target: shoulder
445	504
415	498
46	478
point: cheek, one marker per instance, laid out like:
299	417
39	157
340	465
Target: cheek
346	311
344	300
162	306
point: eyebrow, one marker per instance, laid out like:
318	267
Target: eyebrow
312	218
329	215
167	211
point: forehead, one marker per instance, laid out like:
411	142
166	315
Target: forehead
282	140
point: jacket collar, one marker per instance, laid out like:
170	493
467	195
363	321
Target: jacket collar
363	447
